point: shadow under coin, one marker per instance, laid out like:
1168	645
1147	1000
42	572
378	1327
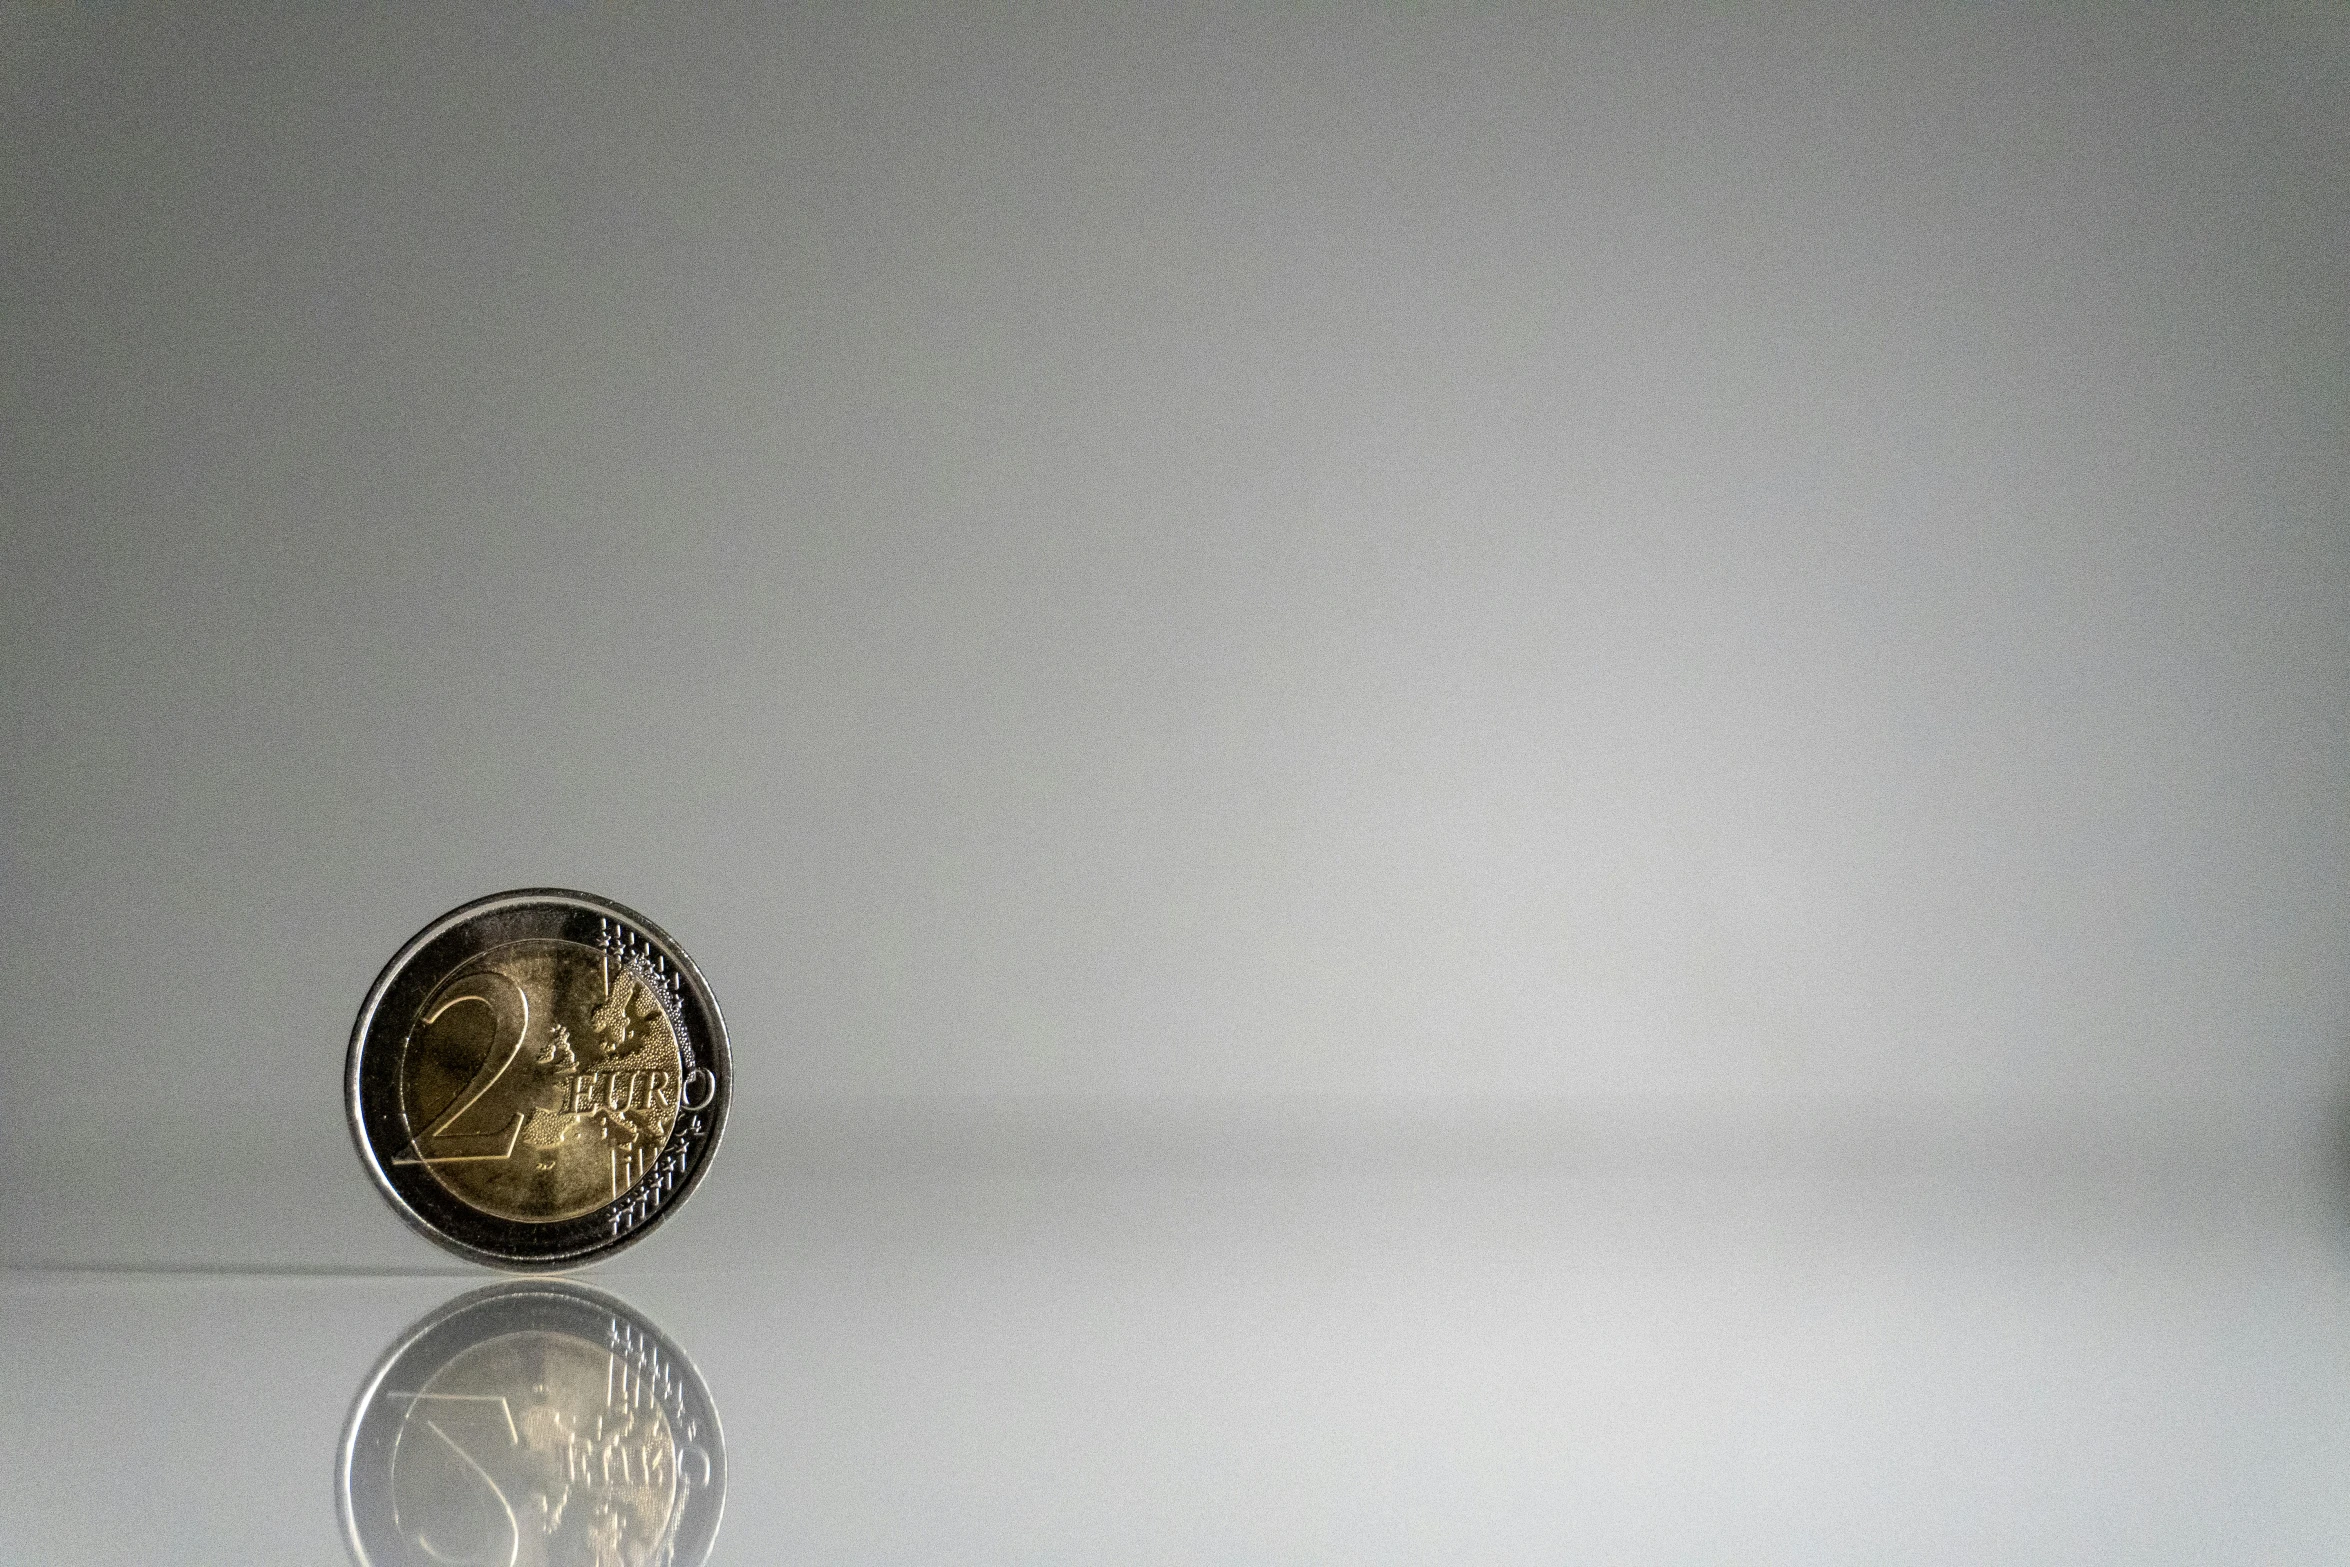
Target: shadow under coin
535	1422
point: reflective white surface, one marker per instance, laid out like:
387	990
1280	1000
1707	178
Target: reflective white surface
1341	1350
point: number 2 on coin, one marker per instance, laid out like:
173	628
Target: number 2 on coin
507	1001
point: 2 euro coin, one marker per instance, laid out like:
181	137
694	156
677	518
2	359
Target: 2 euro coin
538	1078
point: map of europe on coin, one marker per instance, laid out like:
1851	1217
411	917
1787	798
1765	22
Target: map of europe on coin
538	1078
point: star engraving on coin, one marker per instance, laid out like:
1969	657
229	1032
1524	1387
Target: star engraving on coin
537	1078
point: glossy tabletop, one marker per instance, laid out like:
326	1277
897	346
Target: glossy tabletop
1201	1349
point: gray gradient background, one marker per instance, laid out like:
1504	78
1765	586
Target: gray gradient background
1191	555
1195	590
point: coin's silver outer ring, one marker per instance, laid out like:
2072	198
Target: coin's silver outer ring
347	1450
524	898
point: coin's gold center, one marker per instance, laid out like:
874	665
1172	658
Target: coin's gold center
540	1079
535	1448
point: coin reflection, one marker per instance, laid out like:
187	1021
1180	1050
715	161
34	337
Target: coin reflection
532	1423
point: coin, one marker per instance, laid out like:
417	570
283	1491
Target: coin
538	1078
527	1424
